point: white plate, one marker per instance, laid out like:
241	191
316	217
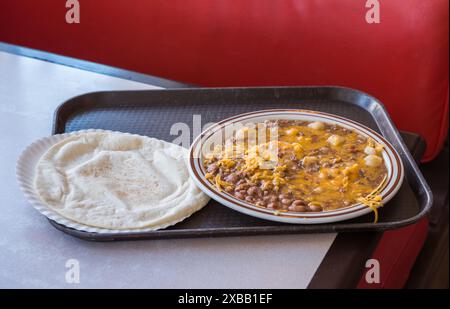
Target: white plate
213	135
25	172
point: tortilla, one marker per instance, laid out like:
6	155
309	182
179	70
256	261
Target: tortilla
117	180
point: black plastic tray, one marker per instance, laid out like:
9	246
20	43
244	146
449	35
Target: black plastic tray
153	113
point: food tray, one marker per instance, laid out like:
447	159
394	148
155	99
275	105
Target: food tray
154	112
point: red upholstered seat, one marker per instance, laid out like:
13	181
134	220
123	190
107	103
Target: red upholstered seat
403	60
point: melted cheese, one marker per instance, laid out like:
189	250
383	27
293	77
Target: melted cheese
320	165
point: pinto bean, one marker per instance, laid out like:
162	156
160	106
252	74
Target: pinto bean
232	178
309	160
318	190
241	182
272	205
252	191
260	204
229	189
282	196
336	161
249	198
213	168
313	168
299	208
286	201
352	149
298	203
242	186
324	150
239	195
290	192
273	198
314	207
284	207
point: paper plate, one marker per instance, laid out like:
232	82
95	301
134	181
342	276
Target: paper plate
25	172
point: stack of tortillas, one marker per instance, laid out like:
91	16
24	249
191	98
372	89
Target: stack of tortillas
117	181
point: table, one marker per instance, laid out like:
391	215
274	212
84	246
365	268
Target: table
33	254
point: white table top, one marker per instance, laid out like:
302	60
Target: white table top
33	253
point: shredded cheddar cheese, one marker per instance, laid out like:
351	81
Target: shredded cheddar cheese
220	183
374	200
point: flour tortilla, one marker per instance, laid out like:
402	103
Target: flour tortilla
119	181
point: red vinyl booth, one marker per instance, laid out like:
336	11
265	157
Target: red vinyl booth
402	60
